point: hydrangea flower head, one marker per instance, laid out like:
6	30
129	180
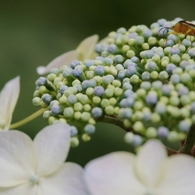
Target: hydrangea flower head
141	79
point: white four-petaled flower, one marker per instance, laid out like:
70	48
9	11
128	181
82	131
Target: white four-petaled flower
37	167
8	98
151	172
85	50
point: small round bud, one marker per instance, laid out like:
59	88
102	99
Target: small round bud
85	116
36	101
74	142
55	109
41	81
89	129
163	132
184	125
73	131
68	112
74	63
46	98
152	98
151	132
86	137
99	91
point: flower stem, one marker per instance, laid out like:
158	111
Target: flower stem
27	119
189	142
119	123
115	121
171	151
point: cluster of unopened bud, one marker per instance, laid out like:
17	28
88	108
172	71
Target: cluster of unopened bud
139	78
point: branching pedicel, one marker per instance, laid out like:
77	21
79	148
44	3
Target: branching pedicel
139	81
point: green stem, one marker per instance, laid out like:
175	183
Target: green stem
27	119
171	151
119	123
115	121
189	142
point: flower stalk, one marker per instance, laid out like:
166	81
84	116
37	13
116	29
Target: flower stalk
28	119
189	142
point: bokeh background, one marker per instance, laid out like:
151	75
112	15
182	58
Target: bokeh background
32	33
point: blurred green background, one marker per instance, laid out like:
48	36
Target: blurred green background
32	33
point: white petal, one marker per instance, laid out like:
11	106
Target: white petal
87	47
68	180
16	158
178	176
113	174
149	162
52	146
58	62
8	98
24	189
104	40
